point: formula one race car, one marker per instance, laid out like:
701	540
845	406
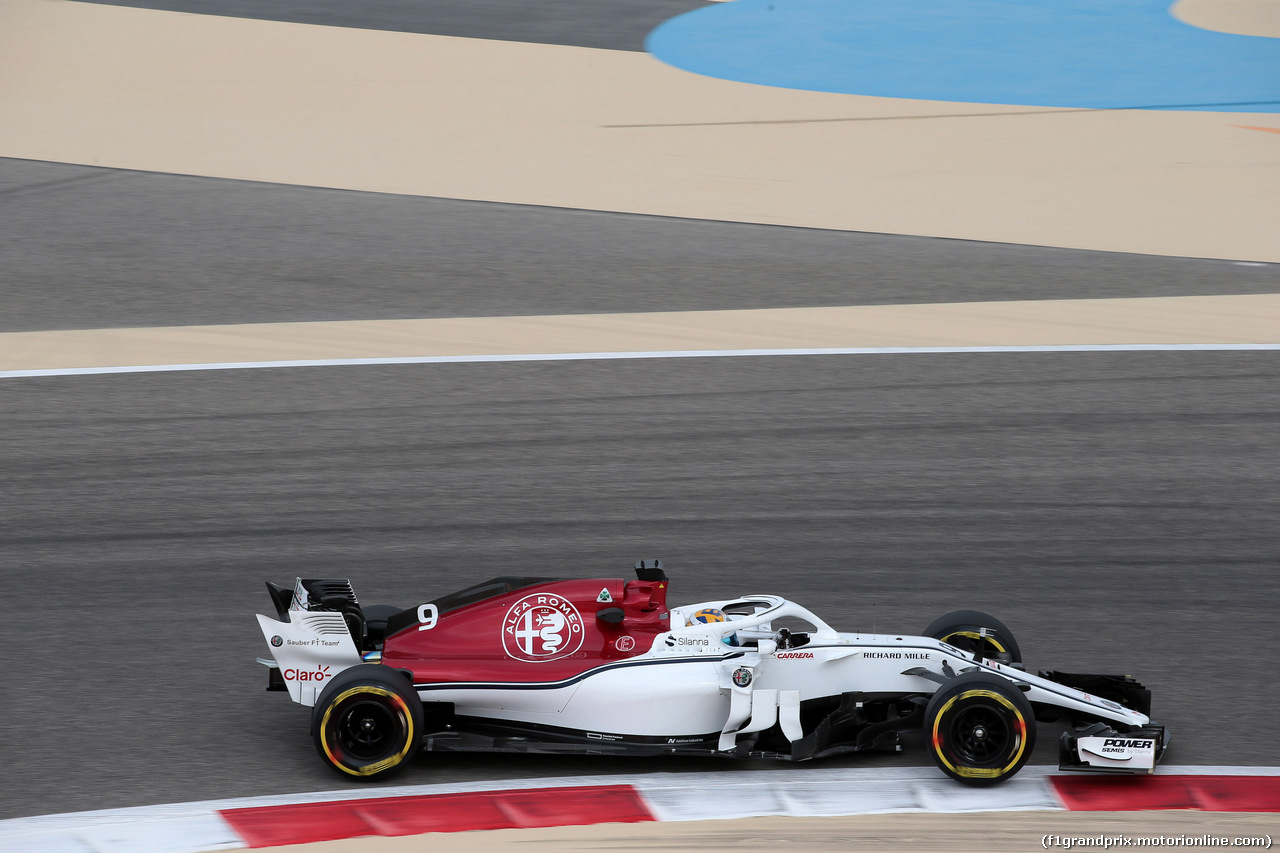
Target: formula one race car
604	666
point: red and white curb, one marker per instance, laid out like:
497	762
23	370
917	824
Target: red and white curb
528	803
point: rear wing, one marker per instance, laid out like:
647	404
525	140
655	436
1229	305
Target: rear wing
309	647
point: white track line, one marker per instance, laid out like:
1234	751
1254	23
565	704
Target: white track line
608	356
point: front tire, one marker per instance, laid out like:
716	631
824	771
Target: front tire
980	729
964	629
367	723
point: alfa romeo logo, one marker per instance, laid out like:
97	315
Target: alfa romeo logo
542	627
277	641
742	676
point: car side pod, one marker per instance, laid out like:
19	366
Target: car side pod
1101	749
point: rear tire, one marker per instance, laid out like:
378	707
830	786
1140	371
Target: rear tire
963	629
367	723
980	729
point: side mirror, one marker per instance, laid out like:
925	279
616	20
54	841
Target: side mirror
612	615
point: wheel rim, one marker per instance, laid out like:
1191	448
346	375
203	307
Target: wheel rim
980	736
367	729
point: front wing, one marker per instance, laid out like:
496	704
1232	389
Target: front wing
1101	749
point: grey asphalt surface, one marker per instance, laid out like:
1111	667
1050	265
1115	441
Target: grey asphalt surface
85	247
1116	510
612	25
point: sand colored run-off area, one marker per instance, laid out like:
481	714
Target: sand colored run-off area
620	131
1174	320
899	833
1242	17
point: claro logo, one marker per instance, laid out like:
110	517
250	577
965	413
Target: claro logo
320	673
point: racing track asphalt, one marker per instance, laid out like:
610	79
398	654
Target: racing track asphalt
616	25
98	248
1117	510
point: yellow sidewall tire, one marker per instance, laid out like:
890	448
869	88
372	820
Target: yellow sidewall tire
963	629
368	723
980	729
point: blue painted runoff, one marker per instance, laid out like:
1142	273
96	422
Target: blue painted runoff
1100	54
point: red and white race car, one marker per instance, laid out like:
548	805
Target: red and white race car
605	666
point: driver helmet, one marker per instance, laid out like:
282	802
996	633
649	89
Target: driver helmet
706	616
713	614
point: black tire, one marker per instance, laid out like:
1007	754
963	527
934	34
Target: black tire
367	724
962	629
980	729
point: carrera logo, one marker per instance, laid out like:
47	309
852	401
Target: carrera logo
542	627
1128	744
792	655
320	673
